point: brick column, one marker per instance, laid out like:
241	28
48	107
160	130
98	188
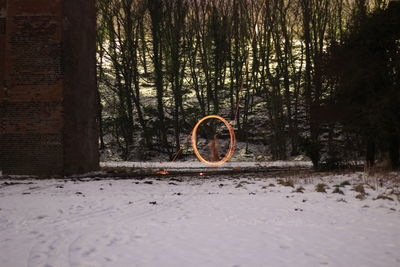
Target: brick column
47	87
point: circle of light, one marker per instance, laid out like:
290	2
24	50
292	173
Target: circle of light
231	144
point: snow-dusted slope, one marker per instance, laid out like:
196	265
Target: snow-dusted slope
219	221
197	164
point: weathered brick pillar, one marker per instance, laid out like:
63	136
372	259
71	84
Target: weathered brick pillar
48	105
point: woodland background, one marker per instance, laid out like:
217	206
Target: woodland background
319	78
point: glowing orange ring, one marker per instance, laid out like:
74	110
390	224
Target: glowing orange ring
231	144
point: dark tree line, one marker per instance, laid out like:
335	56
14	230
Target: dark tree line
366	67
282	70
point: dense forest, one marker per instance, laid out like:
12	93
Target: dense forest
319	78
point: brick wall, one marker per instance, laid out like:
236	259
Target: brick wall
47	102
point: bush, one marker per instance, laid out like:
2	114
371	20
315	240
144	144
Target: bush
288	182
359	188
344	183
321	188
299	190
337	191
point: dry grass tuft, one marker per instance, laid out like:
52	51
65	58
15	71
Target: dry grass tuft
321	188
286	182
344	183
360	196
384	197
299	189
359	188
337	191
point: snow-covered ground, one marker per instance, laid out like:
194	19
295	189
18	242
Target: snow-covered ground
199	221
198	165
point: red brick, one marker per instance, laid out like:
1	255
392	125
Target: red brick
48	88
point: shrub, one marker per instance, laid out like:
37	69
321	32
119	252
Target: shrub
320	188
360	196
337	191
299	190
344	183
383	197
359	188
288	182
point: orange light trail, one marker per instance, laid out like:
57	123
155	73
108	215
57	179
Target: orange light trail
232	143
162	172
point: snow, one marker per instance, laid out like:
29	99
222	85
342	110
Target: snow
200	165
237	220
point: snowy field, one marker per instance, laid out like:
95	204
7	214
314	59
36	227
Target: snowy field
200	221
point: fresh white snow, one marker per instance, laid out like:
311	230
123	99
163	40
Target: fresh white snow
197	221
